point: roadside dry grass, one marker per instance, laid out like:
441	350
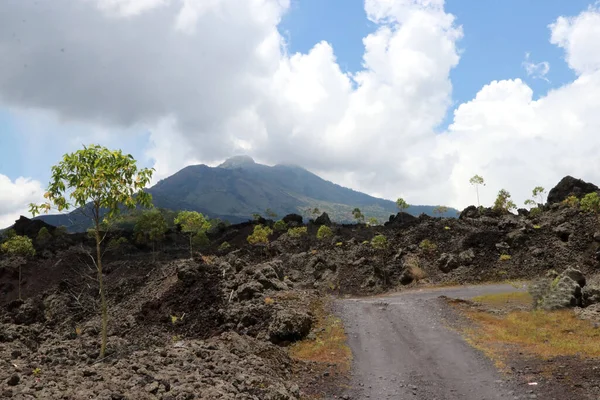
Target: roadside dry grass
506	299
545	334
329	346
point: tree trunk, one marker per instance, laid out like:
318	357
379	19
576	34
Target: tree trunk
20	281
477	190
102	294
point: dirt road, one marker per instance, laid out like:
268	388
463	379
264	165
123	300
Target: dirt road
403	349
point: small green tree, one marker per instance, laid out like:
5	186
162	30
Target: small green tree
537	197
260	235
224	246
373	221
19	246
358	216
192	223
150	227
256	216
43	236
324	232
591	203
60	231
427	246
96	180
503	202
116	243
270	213
315	211
476	181
379	242
201	240
440	210
297	232
280	226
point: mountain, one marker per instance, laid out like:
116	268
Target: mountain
239	187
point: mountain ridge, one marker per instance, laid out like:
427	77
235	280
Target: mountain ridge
239	187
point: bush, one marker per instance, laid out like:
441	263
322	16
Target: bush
60	231
260	235
427	245
280	226
571	201
201	240
324	232
535	212
504	257
116	243
379	242
503	202
43	235
591	202
224	246
18	246
297	232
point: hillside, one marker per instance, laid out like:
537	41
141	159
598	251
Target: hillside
239	187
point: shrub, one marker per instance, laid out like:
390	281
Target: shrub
427	245
297	232
447	228
60	231
20	246
43	235
280	226
504	257
116	243
379	242
339	244
571	201
201	240
324	232
591	202
503	202
260	235
224	246
535	212
537	227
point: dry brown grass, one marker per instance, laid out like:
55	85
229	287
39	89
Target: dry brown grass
541	333
330	344
269	301
506	299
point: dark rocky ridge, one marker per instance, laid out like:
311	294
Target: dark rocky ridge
224	328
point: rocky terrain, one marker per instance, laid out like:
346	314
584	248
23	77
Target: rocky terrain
218	326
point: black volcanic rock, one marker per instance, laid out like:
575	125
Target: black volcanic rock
570	186
30	227
323	219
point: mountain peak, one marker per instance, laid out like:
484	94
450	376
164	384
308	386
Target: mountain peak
237	162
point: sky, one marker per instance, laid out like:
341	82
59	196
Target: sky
395	98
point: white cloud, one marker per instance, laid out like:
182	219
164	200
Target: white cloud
579	37
536	70
212	79
15	196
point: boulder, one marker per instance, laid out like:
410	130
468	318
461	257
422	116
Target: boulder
559	291
402	219
469	212
249	290
576	275
289	326
591	295
323	219
447	262
30	227
293	218
563	231
466	257
570	186
406	278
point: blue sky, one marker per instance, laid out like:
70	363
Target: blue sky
497	34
